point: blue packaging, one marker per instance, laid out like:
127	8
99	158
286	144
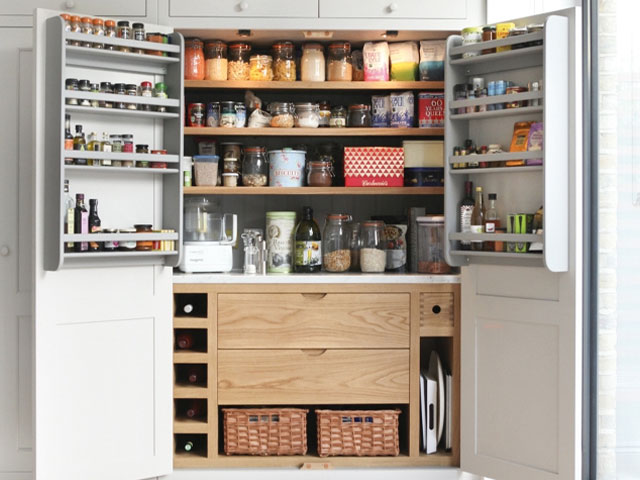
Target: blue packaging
402	110
213	114
501	89
380	110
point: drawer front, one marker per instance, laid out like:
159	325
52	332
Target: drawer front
243	8
436	312
253	377
92	8
451	9
313	320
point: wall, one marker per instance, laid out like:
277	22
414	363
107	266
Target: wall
498	10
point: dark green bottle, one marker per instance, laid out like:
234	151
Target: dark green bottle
308	245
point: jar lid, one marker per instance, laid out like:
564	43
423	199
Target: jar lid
282	44
517	31
430	219
128	136
286	150
215	43
127	230
320	164
280	214
339	216
262	58
359	106
488	28
71	81
98	21
206	158
123	23
132	86
87	20
227	103
138	25
313	46
495	146
230	174
535	27
471	30
196	42
249	149
142	226
110	23
373	223
340	46
65	16
84	82
306	106
159	152
141	145
145	84
196	104
230	160
115	136
161	86
240	46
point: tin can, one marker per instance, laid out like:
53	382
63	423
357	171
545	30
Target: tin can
213	114
431	109
380	110
520	226
196	114
279	230
241	115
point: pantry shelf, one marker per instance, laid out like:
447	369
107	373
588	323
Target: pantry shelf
478	47
190	391
495	157
139	157
509	255
184	425
135	253
473	171
101	59
506	112
314	132
190	357
506	237
314	190
122	237
520	53
507	98
279	85
121	42
119	112
127	170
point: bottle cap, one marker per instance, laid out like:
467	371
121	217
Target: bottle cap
493	196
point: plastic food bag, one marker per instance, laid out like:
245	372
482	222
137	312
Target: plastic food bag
535	142
358	66
404	61
376	61
251	101
395	245
432	60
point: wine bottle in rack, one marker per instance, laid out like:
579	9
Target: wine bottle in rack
185	341
196	408
192	374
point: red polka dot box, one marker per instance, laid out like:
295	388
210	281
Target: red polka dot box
373	166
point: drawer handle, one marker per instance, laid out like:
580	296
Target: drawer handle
242	6
436	309
188	308
392	7
313	352
314	296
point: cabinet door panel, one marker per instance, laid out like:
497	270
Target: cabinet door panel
453	9
121	8
243	8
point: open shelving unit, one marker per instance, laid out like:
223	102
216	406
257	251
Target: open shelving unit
314	190
299	85
314	132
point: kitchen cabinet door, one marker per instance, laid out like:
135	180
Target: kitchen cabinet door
453	9
121	8
243	8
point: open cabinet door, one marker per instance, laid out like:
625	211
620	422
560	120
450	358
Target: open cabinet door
103	333
521	328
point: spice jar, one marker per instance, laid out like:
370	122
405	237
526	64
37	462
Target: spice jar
143	245
324	114
373	258
132	91
127	143
87	29
336	243
71	84
281	114
231	165
138	34
159	164
94	88
193	59
238	65
67	24
338	117
284	65
516	32
110	245
359	115
260	68
84	86
105	87
307	115
340	68
471	35
124	32
116	143
228	117
160	91
320	173
98	31
255	168
110	32
312	65
215	54
76	27
488	34
127	245
431	242
155	37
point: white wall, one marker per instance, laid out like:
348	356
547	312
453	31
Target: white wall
498	10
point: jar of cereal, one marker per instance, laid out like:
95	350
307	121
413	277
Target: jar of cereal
336	243
284	65
260	68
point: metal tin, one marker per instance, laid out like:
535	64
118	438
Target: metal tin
279	229
213	114
196	114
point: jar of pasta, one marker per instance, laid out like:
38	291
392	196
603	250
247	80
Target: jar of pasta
260	68
215	54
284	65
340	68
238	65
193	59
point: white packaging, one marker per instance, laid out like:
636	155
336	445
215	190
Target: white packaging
423	153
376	61
404	61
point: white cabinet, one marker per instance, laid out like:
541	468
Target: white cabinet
121	8
453	9
243	8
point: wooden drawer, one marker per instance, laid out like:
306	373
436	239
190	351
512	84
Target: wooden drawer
313	320
452	9
436	314
251	377
243	8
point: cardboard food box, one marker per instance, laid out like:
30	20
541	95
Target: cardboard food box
431	109
373	166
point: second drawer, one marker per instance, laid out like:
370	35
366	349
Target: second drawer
254	377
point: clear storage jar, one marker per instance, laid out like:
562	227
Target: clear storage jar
261	68
307	115
284	64
320	173
431	244
359	116
282	114
193	59
336	243
238	64
255	168
215	54
373	257
340	68
312	64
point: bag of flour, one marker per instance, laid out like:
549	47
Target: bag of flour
376	61
404	61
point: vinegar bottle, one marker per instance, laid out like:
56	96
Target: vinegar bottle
477	219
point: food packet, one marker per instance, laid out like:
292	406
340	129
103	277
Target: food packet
535	142
519	141
432	60
395	244
404	61
251	101
376	61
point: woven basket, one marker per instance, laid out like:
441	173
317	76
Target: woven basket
265	431
358	432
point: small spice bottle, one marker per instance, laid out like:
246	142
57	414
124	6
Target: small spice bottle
146	90
127	245
84	86
141	148
231	165
160	91
98	31
87	29
110	245
110	32
71	84
138	34
143	245
132	90
324	113
124	32
76	27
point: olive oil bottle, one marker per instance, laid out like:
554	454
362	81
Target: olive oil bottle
308	245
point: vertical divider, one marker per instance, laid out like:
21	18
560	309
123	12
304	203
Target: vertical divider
414	373
455	372
212	373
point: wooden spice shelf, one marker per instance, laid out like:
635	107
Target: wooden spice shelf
278	85
314	132
314	190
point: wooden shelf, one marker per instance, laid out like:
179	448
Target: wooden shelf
190	391
187	425
190	322
256	85
183	356
314	190
315	132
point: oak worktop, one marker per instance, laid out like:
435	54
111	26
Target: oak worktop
312	278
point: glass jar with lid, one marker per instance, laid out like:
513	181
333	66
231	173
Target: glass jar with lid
340	68
71	84
76	27
67	24
359	115
338	117
320	173
284	64
124	32
110	31
373	257
238	64
160	91
324	113
215	54
98	31
260	68
431	245
193	59
336	243
282	114
255	169
307	115
137	33
87	29
312	64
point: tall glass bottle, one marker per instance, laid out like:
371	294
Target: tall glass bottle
308	245
79	143
93	145
81	223
491	220
94	224
477	219
69	213
68	138
465	210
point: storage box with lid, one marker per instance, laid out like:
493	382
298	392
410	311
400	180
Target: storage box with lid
423	163
373	166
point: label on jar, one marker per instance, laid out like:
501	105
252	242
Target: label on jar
308	254
280	244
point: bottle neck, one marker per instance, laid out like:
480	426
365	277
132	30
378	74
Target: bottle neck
479	199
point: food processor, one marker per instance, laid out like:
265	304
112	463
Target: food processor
209	237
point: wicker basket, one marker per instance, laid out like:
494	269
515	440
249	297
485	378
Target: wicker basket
265	431
358	432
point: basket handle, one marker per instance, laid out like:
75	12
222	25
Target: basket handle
313	352
314	296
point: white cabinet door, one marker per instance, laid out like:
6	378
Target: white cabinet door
122	8
103	351
452	9
16	291
243	8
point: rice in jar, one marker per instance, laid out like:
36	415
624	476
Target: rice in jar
340	68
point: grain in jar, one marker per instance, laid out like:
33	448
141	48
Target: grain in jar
279	228
238	64
260	68
215	54
373	258
336	243
340	68
312	64
282	114
284	65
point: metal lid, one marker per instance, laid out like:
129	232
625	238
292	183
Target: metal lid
430	219
281	214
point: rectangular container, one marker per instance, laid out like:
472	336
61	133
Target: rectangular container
423	153
431	109
373	166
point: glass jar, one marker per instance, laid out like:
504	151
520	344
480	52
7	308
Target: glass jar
215	54
127	145
307	115
155	37
260	68
339	68
336	243
488	34
138	34
127	245
87	29
312	64
71	84
67	24
320	173
94	88
160	91
230	179
471	35
516	32
132	91
255	168
141	148
116	143
359	116
238	65
230	165
98	31
124	32
120	89
110	245
110	32
84	86
338	117
355	247
143	245
284	64
146	90
324	114
193	59
76	27
281	114
431	245
373	258
228	116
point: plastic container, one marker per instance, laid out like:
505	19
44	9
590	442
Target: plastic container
286	168
206	170
431	240
336	243
373	257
